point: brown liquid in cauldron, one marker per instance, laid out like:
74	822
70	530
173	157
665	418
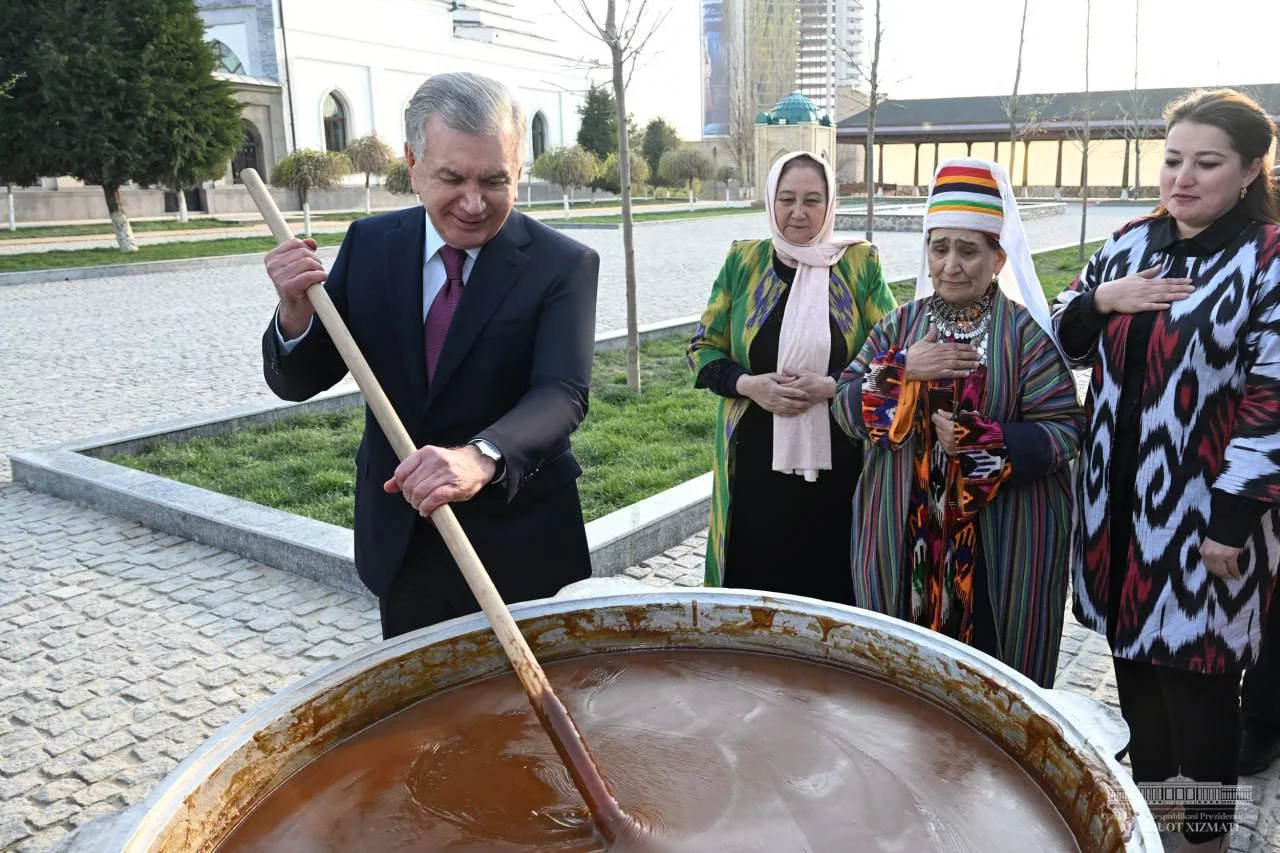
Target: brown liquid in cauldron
711	750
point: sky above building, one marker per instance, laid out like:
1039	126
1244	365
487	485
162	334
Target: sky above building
941	48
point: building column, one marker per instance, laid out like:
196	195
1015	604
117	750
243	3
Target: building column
915	174
1137	161
968	149
880	164
995	155
1057	180
1026	160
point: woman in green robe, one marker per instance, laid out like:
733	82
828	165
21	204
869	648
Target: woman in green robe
785	316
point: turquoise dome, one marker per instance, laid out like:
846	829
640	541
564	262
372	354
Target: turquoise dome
796	109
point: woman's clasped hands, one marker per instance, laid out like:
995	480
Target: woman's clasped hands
787	393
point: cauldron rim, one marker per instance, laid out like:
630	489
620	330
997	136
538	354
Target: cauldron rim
155	815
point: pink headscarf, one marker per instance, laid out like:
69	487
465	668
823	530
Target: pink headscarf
802	444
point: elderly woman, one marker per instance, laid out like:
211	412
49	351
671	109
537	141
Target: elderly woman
1178	314
962	520
785	315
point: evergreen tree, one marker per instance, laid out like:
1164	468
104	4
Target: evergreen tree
112	91
659	138
598	132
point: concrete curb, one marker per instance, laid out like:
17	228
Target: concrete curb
77	472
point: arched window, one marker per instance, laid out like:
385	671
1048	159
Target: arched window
334	114
538	134
227	59
250	154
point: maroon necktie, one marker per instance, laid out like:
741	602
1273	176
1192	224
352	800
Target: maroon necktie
436	326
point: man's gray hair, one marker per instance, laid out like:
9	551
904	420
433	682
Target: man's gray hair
470	103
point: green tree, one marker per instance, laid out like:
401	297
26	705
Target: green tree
197	143
397	180
610	178
659	138
370	155
566	168
598	132
684	166
308	169
724	175
113	91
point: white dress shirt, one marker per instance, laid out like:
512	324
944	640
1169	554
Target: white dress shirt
433	279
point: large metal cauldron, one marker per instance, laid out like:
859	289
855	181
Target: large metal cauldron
205	797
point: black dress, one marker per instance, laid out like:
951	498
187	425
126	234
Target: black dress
786	534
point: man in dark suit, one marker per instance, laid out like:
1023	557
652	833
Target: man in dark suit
480	323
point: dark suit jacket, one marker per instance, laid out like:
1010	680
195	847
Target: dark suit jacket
515	370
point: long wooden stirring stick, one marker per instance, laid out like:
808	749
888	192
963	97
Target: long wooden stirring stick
609	817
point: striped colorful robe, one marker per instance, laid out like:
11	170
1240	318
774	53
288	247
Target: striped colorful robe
1210	419
744	294
1024	527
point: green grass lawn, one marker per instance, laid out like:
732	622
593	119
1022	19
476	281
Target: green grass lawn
1056	269
67	258
33	231
630	446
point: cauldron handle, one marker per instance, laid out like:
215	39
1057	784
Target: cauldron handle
607	814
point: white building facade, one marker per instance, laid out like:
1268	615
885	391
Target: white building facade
319	73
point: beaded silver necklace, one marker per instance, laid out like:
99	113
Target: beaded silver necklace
966	324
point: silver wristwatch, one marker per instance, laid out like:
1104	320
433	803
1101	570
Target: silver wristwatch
487	450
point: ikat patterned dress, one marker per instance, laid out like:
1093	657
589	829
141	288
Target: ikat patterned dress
1186	403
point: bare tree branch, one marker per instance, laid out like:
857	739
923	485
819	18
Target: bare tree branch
633	53
594	32
1013	99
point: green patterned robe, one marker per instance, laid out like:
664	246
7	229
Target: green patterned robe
745	292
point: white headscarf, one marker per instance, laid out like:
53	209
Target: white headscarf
1018	279
802	444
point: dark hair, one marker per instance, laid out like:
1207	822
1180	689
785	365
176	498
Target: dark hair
808	162
1250	130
